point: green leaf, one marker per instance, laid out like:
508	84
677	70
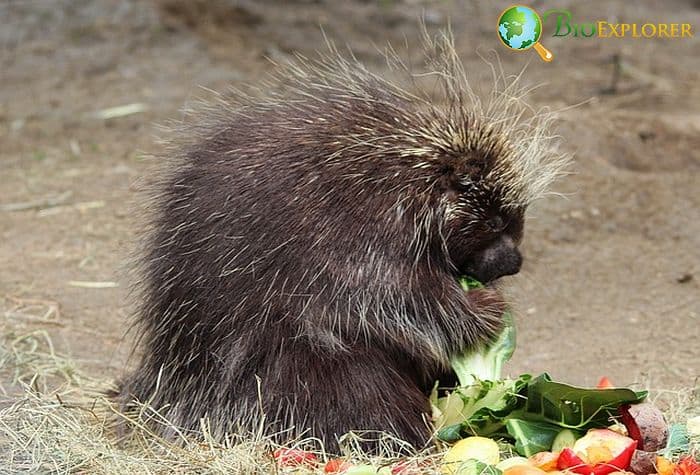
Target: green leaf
485	405
469	283
450	433
494	397
485	361
451	409
531	437
573	407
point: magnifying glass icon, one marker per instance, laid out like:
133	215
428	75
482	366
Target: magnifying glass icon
520	29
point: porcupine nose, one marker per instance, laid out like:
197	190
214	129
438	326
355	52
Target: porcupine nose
511	263
500	259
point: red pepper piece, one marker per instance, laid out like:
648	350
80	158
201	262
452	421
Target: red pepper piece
568	460
604	383
294	458
336	466
687	466
630	423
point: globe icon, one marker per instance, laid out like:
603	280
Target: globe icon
520	28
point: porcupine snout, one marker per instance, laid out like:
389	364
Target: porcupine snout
497	260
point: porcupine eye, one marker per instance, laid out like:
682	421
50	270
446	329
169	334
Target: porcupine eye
496	224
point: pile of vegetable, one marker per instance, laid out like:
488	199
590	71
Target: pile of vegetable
549	425
534	426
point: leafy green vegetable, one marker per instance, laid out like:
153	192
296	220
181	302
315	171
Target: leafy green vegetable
574	407
485	362
469	283
536	404
483	409
531	437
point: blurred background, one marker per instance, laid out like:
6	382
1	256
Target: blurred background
611	281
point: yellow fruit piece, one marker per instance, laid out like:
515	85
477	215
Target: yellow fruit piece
598	454
664	466
472	448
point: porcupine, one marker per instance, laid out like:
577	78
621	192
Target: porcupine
300	274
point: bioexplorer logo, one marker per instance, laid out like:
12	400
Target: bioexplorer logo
520	28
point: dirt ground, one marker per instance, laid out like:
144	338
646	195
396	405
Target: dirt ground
611	282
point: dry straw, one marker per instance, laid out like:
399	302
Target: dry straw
56	419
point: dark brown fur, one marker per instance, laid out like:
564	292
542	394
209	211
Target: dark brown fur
304	255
